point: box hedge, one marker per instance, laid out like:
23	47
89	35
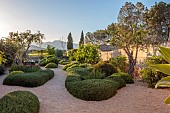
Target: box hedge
51	65
91	89
24	68
127	78
33	79
19	102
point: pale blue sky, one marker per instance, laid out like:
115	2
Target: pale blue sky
56	18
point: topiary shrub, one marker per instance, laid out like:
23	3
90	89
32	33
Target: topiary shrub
19	102
2	70
118	79
15	72
92	89
69	65
23	68
79	71
51	65
94	74
52	59
106	68
43	62
127	78
33	79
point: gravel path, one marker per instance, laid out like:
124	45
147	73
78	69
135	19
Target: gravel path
134	98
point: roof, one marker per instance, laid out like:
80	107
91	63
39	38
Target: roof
106	48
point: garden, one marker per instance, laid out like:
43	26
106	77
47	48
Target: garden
77	80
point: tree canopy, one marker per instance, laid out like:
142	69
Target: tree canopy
69	42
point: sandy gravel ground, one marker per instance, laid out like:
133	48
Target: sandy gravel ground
134	98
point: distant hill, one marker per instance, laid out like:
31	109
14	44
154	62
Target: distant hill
56	43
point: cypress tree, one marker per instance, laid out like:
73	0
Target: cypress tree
81	42
69	42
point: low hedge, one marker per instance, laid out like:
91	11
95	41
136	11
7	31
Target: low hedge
19	102
91	89
106	68
69	65
15	72
118	79
127	78
33	79
23	68
51	65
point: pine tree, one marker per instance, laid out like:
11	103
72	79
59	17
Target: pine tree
81	42
69	42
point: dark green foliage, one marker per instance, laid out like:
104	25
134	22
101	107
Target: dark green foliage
2	70
92	89
69	42
72	79
23	68
149	74
19	102
127	78
59	53
81	42
94	74
120	62
43	62
118	79
105	68
51	65
33	79
79	71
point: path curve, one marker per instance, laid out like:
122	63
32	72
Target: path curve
134	98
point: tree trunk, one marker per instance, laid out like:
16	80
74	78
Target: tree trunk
20	57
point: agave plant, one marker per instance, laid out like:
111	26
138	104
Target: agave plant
164	68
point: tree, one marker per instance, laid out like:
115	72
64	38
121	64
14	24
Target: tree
81	42
9	48
69	42
157	19
24	40
130	32
87	54
59	53
51	50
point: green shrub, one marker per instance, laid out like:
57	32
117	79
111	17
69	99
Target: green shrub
23	68
92	89
120	62
43	62
69	65
149	74
51	65
105	68
72	79
118	79
52	59
79	71
19	102
33	79
94	74
63	62
15	72
2	70
127	78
